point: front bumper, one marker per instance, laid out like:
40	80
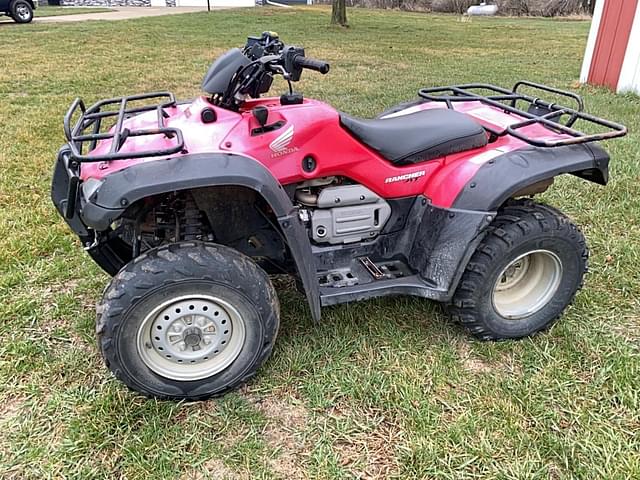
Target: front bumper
65	194
106	249
80	211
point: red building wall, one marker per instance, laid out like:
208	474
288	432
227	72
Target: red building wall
611	44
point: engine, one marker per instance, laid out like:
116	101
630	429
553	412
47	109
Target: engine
337	213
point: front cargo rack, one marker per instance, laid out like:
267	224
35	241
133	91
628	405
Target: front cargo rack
558	118
87	129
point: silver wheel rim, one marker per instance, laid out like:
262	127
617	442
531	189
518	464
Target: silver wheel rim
527	284
191	337
22	11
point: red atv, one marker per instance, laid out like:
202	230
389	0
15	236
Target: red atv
191	205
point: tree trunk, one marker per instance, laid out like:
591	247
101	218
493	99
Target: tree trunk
339	13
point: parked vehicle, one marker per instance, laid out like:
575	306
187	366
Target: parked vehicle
483	9
192	205
20	11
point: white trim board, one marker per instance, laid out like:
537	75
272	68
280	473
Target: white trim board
629	80
591	41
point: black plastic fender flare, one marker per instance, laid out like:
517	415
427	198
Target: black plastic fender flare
123	188
505	175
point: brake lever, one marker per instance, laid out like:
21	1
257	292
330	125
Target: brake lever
286	75
282	71
272	62
268	58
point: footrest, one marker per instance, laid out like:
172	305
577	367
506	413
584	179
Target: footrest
362	271
338	278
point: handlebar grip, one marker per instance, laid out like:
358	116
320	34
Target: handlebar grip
311	64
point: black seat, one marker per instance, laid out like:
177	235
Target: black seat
417	137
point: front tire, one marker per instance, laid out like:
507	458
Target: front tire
21	11
187	321
523	275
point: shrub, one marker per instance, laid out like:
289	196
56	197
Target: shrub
545	8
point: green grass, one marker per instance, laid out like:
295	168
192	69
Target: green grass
48	11
382	389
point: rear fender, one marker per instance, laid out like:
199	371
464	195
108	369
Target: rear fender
120	189
511	174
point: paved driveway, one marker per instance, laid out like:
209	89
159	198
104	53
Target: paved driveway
120	13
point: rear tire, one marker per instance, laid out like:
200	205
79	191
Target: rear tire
21	11
523	275
188	320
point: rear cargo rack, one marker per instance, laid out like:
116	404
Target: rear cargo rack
536	111
87	129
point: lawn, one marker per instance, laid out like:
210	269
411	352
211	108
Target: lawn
382	389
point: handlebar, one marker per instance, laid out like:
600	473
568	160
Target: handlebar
264	57
311	64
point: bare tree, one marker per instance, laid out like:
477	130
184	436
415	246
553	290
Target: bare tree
339	13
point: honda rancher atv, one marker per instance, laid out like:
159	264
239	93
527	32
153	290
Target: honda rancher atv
192	205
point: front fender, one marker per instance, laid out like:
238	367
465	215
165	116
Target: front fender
124	187
504	176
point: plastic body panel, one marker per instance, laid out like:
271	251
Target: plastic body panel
126	186
313	130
